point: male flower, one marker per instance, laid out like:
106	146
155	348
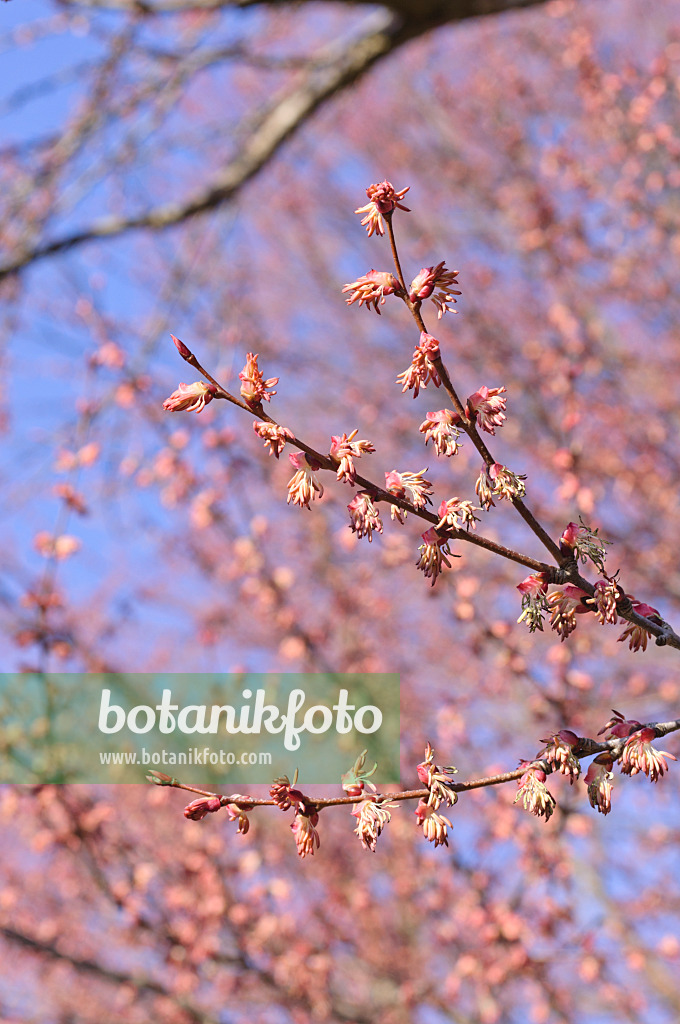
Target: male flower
433	552
640	756
488	405
533	791
637	636
254	388
344	450
371	289
499	481
424	283
441	428
559	751
383	200
306	836
411	486
565	605
533	590
273	435
457	514
305	485
599	779
364	515
190	397
433	824
422	369
372	818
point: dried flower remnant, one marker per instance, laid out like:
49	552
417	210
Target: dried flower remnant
559	752
427	280
599	779
197	809
488	406
437	779
273	435
434	825
364	515
305	834
372	289
344	450
190	397
637	636
584	543
372	818
639	755
564	606
254	388
442	429
422	370
533	791
498	481
383	200
305	485
457	513
433	554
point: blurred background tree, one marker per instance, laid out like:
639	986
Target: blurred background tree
193	166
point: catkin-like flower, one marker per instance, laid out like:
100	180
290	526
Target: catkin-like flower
488	406
442	429
254	388
190	397
564	606
371	289
639	755
534	603
273	435
344	450
433	554
305	485
534	793
364	515
457	513
372	818
383	199
599	779
428	279
422	370
434	825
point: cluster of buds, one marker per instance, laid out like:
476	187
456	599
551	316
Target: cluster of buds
371	289
599	779
190	397
383	200
581	542
422	370
534	602
442	429
636	635
498	481
254	388
364	515
455	513
304	486
488	407
273	435
427	280
533	791
344	450
559	751
564	606
411	487
433	554
236	807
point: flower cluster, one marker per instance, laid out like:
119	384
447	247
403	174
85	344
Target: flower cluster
190	397
254	388
533	791
456	514
564	606
604	600
637	636
434	825
383	200
599	779
639	755
433	552
534	603
371	289
372	818
364	515
584	543
442	429
344	450
305	834
273	435
422	369
437	780
499	481
411	487
559	751
488	406
427	280
305	485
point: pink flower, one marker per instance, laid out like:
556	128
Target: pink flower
619	727
533	590
559	752
306	836
637	636
198	809
489	408
640	756
411	486
565	605
273	435
422	369
283	792
533	792
364	515
437	779
344	450
497	480
304	486
429	278
435	826
254	388
383	200
238	813
599	779
372	818
182	348
372	288
190	397
456	514
606	595
433	554
441	428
